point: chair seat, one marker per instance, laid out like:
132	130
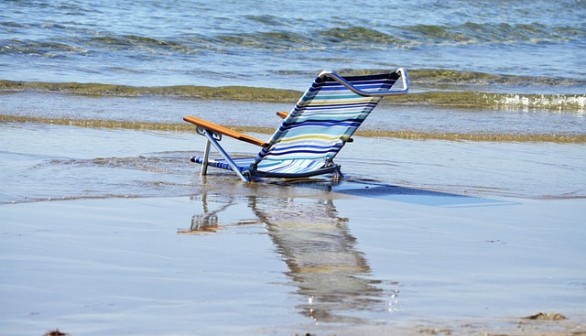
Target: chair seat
275	168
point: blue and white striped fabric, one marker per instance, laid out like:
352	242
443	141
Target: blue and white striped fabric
324	118
319	125
298	167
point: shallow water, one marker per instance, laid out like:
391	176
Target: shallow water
43	161
128	237
285	260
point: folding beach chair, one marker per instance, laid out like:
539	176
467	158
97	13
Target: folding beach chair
311	135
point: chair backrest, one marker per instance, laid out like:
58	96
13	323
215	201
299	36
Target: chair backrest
326	116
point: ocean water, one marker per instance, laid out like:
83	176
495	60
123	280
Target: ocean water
529	46
510	68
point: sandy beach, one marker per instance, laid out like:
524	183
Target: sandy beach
106	231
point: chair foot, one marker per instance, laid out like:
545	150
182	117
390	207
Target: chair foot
337	176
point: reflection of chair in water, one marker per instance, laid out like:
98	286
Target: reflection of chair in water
208	220
321	256
320	253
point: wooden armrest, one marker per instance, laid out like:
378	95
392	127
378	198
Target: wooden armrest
224	130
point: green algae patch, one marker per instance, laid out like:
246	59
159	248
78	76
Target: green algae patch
446	99
403	134
187	91
97	123
480	137
123	124
247	93
466	99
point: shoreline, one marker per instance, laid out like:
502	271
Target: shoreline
462	93
559	137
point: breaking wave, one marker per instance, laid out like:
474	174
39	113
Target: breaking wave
84	41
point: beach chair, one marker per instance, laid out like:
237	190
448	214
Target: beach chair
311	135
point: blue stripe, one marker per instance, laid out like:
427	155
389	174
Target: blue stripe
313	147
322	123
365	86
300	151
340	105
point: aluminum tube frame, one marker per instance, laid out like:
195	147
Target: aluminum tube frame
209	135
404	78
206	158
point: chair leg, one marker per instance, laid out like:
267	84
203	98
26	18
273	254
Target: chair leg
225	155
206	156
337	176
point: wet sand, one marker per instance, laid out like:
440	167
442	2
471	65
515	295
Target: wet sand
113	232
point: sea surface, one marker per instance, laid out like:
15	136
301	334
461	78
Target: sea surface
515	70
527	46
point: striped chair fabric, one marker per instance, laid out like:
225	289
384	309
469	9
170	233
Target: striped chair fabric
321	122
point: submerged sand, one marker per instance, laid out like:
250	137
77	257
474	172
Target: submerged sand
113	232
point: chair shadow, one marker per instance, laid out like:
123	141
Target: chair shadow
383	191
418	196
207	221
